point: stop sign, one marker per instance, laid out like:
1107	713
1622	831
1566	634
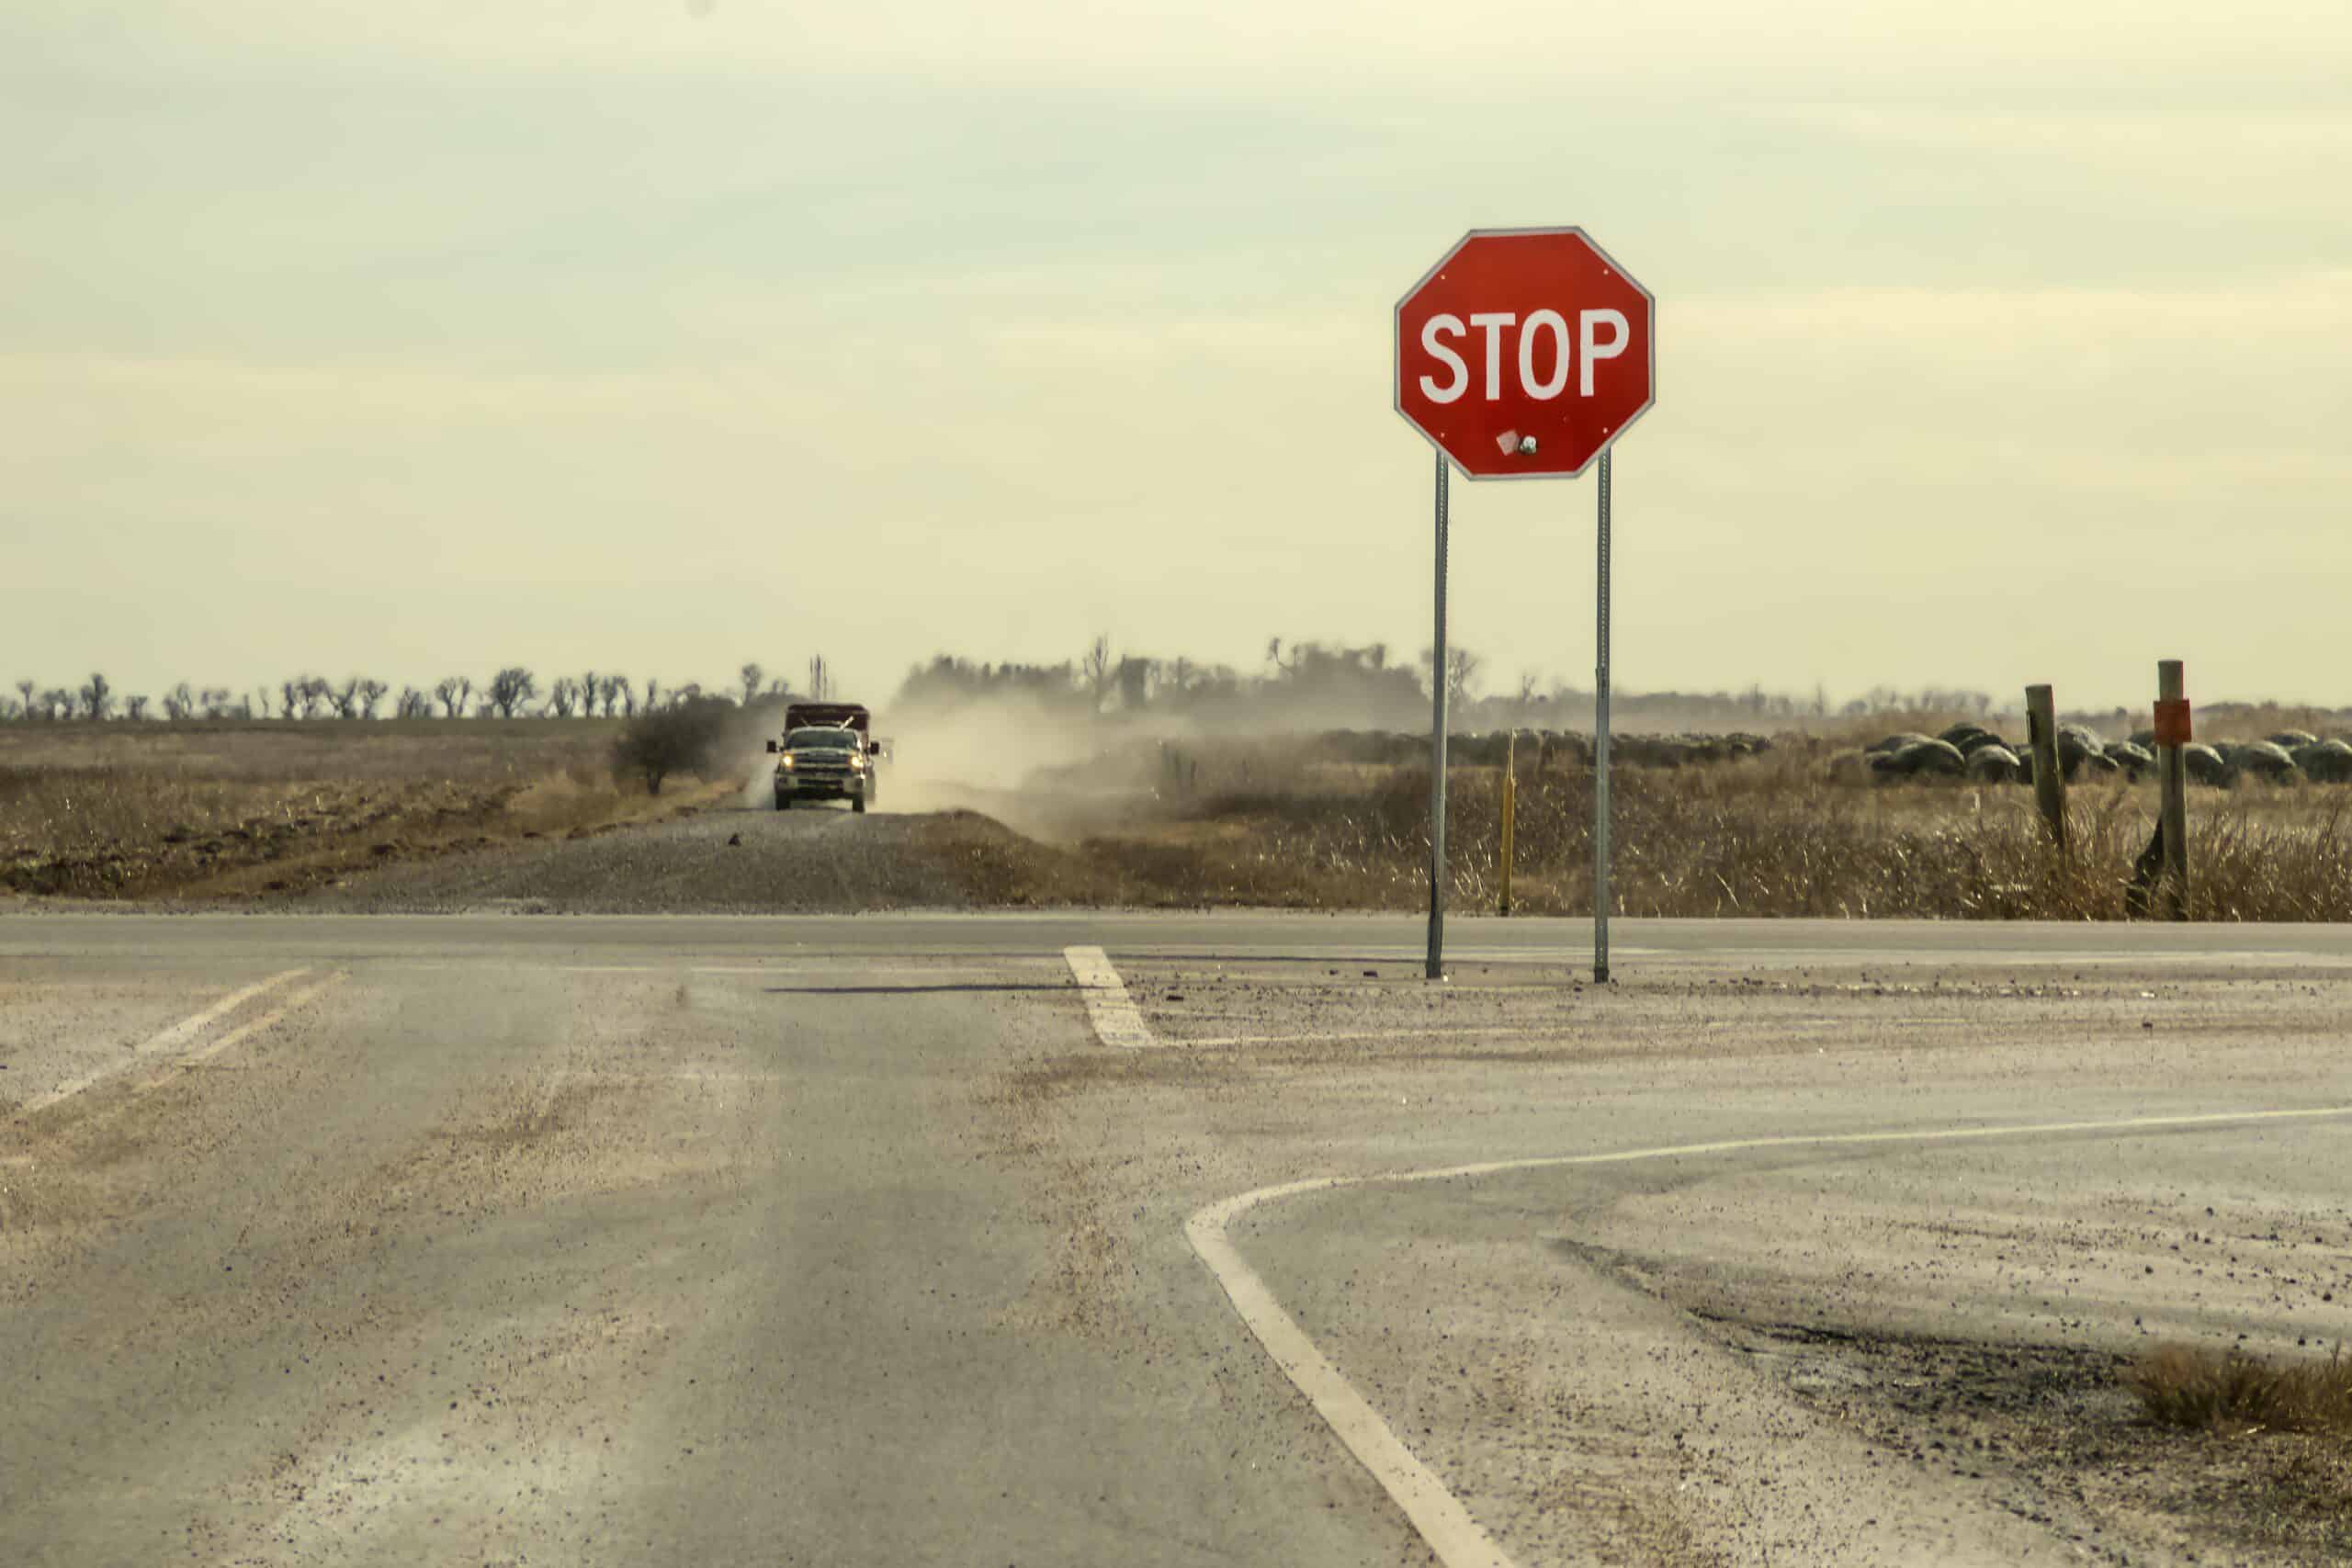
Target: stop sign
1523	353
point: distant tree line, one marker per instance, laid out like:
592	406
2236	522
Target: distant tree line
513	691
1336	686
1313	683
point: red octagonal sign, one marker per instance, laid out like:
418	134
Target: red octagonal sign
1524	352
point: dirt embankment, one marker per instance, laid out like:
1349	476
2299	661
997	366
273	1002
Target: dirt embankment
725	859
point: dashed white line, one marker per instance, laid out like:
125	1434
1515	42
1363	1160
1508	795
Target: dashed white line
178	1034
239	1034
1440	1516
1117	1021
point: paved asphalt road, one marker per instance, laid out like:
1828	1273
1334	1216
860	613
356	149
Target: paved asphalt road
824	1241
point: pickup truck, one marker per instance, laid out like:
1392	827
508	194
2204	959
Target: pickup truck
828	753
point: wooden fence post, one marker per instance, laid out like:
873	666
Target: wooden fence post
2049	783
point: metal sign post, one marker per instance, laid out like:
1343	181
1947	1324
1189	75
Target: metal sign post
1601	749
1436	970
1523	353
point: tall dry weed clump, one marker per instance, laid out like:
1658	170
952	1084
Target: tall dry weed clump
2178	1385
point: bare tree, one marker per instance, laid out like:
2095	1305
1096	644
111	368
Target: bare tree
591	686
1098	670
413	704
11	709
563	696
300	697
344	699
454	691
135	707
652	693
753	675
214	703
179	703
617	690
820	685
1462	668
511	688
57	703
371	691
97	698
24	689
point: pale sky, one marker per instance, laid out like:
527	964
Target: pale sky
1997	342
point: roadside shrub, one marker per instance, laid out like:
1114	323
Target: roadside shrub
2228	1389
684	738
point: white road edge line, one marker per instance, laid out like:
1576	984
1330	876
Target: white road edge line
186	1029
1117	1021
1440	1516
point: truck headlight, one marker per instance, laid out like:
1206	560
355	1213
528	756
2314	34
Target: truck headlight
857	763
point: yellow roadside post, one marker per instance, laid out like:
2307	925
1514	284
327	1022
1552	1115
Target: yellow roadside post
1511	780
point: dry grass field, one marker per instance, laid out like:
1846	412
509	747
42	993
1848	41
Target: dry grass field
1781	833
268	810
244	809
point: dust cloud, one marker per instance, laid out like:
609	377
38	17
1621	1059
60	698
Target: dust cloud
991	754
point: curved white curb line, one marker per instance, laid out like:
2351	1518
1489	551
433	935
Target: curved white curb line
1435	1512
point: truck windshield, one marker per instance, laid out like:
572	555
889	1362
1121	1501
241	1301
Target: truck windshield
822	739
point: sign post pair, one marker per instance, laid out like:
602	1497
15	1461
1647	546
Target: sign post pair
1523	353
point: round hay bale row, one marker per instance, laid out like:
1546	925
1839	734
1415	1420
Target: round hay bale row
1971	752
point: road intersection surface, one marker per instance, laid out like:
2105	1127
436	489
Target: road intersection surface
1127	1238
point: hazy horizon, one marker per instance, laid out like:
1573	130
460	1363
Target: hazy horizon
1996	345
